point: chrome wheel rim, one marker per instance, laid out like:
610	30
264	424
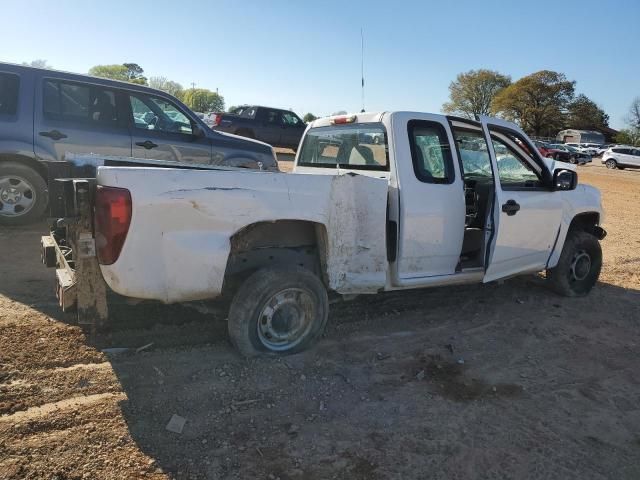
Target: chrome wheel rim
609	164
17	196
285	319
580	266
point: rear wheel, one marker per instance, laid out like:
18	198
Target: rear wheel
23	194
278	311
579	266
573	160
611	164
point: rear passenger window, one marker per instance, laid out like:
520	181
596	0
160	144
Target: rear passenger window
430	152
79	102
9	86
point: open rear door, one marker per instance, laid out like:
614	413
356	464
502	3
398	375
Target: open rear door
526	213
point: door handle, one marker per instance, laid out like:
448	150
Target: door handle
511	207
148	144
54	135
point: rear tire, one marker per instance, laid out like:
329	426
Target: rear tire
611	164
23	194
579	266
278	311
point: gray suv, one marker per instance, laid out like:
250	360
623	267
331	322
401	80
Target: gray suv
46	114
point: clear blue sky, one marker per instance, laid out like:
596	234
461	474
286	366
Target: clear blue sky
306	55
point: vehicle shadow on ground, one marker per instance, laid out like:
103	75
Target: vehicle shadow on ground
249	417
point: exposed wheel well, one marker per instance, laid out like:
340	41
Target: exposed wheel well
25	160
587	222
279	243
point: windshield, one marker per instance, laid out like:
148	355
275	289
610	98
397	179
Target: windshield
360	146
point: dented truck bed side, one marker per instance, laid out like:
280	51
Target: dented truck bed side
182	221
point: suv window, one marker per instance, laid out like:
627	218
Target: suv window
290	119
153	113
430	152
9	86
621	150
514	169
359	147
79	102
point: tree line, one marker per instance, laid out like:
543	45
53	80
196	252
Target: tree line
542	103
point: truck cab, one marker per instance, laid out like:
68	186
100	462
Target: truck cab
468	200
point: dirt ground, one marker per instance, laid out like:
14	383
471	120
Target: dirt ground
490	382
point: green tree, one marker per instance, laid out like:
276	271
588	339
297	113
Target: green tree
203	100
169	86
628	136
472	92
129	72
537	102
633	118
584	114
309	117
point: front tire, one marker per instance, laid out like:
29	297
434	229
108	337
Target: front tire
579	266
611	164
23	194
278	311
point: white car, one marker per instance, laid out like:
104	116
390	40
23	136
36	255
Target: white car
582	148
621	156
439	201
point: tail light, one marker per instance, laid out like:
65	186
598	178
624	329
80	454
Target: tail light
112	219
217	119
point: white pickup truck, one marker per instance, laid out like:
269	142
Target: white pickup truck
376	202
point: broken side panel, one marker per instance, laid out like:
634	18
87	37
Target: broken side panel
357	256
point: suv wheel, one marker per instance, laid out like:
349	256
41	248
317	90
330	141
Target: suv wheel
611	164
23	194
278	310
579	266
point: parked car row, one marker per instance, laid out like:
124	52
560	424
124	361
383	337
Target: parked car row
562	152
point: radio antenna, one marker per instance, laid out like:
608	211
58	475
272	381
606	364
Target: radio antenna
362	64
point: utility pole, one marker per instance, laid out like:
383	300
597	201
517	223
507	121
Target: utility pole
362	64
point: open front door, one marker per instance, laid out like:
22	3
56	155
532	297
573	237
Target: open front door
526	213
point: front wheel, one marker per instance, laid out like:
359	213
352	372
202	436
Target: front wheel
573	160
611	164
579	266
279	311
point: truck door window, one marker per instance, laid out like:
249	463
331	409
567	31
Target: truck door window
473	153
514	169
273	117
290	119
430	152
152	113
9	84
79	102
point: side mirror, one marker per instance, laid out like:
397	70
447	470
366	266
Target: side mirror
197	131
565	180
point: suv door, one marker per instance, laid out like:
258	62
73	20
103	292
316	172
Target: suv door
163	131
526	214
293	128
634	158
271	126
78	117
